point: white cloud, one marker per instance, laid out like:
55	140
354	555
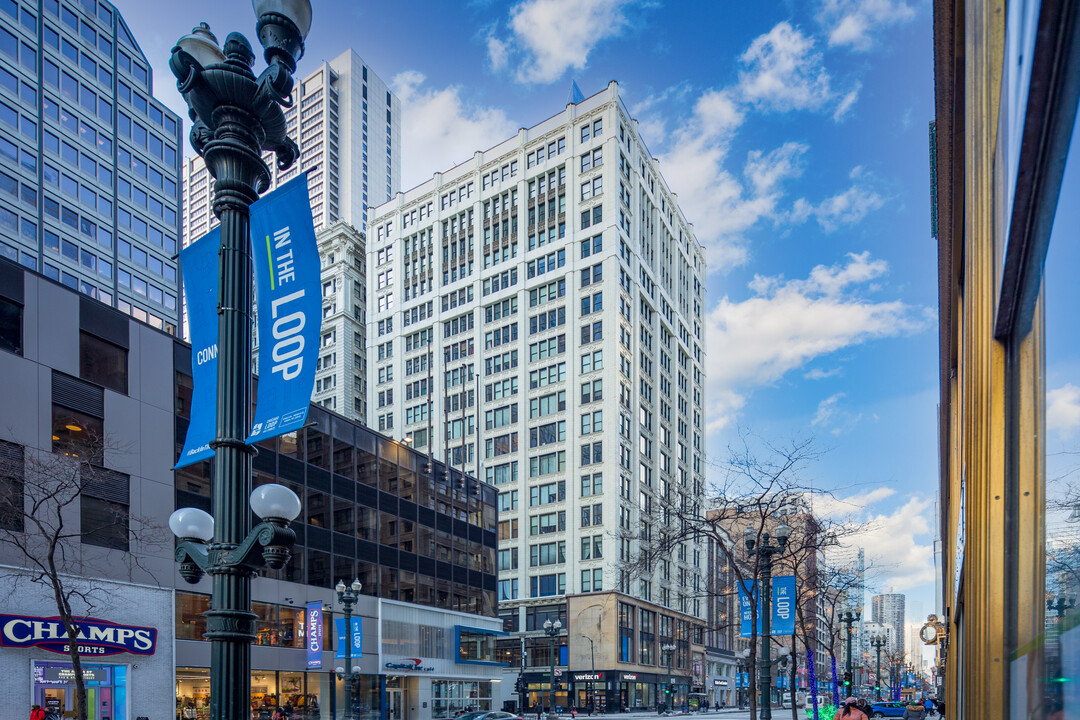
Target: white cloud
851	22
891	543
844	208
826	409
552	36
832	416
789	323
841	508
783	73
439	127
819	374
1063	409
846	103
498	51
720	205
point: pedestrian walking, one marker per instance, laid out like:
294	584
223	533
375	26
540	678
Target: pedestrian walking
850	711
36	713
928	706
914	711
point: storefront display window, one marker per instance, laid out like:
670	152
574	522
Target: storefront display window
106	689
450	698
1045	660
300	695
275	625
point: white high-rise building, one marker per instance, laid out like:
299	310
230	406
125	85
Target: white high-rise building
888	610
536	316
347	124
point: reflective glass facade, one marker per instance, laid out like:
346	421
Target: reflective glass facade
89	160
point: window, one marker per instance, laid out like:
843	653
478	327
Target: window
592	580
547	494
593	515
76	434
12	469
592	422
592	453
103	363
591	246
592	332
545	585
592	548
592	275
104	508
553	553
10	326
592	484
592	391
547	523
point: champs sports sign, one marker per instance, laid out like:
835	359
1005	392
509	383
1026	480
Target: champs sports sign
95	637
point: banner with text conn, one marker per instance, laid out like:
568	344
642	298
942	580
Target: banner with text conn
783	606
356	640
199	266
287	290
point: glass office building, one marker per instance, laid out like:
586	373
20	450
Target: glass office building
89	160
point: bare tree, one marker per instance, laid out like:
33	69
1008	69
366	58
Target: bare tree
41	517
759	485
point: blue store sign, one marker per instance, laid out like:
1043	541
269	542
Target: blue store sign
95	637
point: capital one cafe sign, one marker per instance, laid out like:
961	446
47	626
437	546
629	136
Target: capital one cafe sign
95	637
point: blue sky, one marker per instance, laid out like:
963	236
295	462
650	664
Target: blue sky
795	134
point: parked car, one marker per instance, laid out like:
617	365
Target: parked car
887	709
488	715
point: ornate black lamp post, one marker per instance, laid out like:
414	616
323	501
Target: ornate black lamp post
848	618
877	642
347	596
743	659
206	547
766	551
551	629
669	650
1061	606
235	118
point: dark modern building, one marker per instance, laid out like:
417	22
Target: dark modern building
89	389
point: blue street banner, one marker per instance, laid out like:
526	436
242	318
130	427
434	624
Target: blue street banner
287	290
313	633
357	639
783	606
199	266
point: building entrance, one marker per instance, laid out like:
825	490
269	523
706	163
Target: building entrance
106	689
395	704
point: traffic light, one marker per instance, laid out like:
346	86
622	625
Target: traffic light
519	686
847	680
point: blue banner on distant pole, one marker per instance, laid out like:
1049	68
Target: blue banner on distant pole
313	631
357	639
287	289
199	265
783	606
746	591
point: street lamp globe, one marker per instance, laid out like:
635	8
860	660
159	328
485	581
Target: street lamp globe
202	45
340	587
274	501
356	586
783	532
192	523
